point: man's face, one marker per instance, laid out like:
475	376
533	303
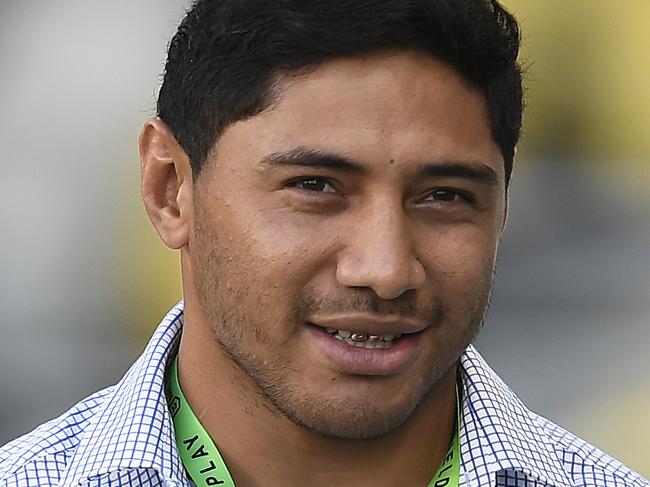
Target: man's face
344	240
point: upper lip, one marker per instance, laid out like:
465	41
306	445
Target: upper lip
373	324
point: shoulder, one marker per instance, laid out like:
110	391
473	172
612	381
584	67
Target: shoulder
41	456
121	435
499	434
585	463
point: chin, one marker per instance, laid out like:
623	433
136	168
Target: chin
351	416
361	423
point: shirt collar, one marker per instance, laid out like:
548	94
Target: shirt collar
499	433
133	429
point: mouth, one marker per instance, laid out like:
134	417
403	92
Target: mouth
369	331
358	351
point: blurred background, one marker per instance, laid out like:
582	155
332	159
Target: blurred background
85	280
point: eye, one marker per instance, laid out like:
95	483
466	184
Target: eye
312	183
445	195
449	195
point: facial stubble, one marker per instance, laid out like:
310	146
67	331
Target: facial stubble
232	292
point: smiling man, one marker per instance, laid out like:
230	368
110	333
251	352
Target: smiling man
335	176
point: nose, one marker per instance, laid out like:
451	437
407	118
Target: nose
380	255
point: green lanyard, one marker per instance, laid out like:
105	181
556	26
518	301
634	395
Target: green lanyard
448	473
206	467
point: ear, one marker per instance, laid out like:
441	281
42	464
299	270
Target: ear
166	183
506	205
506	196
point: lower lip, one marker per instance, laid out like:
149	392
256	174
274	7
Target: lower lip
362	361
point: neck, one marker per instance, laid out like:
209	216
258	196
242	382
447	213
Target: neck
254	437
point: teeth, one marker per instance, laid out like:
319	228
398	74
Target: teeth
344	333
358	337
364	340
368	344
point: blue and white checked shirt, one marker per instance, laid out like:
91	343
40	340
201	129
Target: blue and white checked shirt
123	436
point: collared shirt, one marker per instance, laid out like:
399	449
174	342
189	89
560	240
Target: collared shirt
123	435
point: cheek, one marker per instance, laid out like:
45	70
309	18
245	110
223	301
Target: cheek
285	240
278	253
462	263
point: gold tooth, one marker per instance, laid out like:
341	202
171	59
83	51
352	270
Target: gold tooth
362	337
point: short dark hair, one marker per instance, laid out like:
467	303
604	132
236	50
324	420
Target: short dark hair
226	55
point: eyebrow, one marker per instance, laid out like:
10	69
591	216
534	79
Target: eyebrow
476	171
312	158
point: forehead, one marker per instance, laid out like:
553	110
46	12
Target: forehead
401	107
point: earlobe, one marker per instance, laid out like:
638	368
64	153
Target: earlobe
166	183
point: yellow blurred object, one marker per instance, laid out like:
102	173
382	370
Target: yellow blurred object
148	273
587	80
